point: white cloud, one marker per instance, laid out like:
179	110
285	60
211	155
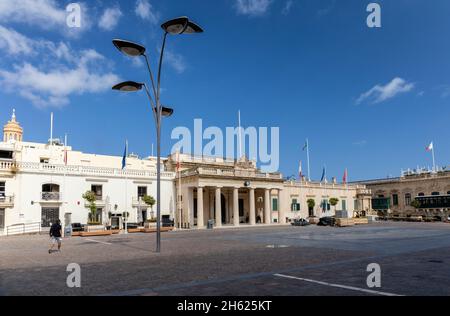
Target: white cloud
110	18
44	13
177	62
53	88
252	7
15	43
71	72
360	143
145	11
327	10
381	93
287	7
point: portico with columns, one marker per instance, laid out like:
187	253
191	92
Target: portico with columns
236	196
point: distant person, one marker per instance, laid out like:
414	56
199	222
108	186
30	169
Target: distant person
56	236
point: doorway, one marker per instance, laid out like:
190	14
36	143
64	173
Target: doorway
49	216
2	218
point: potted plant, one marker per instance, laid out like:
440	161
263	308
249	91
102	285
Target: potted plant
93	223
311	205
150	223
334	202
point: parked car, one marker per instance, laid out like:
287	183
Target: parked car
131	225
300	222
167	222
77	227
327	221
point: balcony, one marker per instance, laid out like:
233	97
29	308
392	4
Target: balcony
51	196
100	201
138	202
6	201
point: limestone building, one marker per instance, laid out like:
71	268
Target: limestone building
395	196
43	182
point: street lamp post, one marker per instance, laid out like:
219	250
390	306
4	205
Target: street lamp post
176	26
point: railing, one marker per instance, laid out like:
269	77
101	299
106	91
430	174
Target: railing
204	159
50	196
21	229
232	173
8	200
80	170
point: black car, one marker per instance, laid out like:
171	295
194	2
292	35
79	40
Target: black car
327	221
300	222
167	222
77	227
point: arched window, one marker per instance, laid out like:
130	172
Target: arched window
408	199
421	194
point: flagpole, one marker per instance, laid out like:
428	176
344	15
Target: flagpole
64	181
434	162
126	188
307	154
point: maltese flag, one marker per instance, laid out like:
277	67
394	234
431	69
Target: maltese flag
430	147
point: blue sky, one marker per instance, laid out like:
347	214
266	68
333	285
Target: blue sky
369	100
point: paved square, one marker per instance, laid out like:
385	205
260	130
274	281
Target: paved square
414	258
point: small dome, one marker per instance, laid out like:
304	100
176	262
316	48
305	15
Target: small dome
12	131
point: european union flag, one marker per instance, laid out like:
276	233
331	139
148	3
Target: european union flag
324	174
125	154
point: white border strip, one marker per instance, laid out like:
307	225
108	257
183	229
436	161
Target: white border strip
98	241
351	288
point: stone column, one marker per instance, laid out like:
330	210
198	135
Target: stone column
200	219
218	207
252	207
281	218
236	207
267	209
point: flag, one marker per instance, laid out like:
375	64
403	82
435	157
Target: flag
324	174
345	178
430	147
300	171
125	154
306	146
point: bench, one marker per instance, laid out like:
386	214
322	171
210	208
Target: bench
97	233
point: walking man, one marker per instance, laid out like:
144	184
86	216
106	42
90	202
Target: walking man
56	236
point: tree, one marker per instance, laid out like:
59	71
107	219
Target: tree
415	204
311	204
90	197
149	200
334	202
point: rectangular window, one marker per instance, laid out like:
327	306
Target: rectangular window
395	199
295	206
356	205
344	205
2	189
275	205
98	191
142	191
407	199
